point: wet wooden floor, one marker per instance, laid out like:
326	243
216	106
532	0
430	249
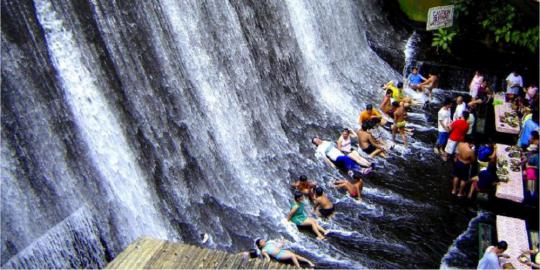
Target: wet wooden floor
148	253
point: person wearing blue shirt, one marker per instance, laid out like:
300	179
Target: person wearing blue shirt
415	79
490	260
528	127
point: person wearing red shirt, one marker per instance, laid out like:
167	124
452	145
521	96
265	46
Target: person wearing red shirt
458	131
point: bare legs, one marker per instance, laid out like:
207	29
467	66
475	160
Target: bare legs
359	159
378	152
455	182
295	258
317	229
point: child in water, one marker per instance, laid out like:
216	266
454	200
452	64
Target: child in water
354	189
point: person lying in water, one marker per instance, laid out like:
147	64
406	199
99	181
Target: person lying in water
335	158
323	205
299	216
305	187
368	144
276	251
354	189
344	144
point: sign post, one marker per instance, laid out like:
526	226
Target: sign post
440	17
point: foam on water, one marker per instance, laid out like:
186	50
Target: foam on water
107	144
321	76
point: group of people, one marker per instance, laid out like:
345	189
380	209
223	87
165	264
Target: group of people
495	258
346	154
459	123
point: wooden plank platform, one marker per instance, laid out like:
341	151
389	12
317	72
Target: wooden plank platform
148	253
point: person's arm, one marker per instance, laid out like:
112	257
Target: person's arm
316	204
373	142
292	212
329	162
340	183
493	155
383	102
295	184
339	143
265	255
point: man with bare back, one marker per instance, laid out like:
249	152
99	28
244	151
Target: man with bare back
461	172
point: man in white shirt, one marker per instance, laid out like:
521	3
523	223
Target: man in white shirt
335	158
443	121
514	81
460	107
469	138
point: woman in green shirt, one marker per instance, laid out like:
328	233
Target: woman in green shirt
299	217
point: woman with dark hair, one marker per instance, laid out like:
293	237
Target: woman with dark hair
276	251
299	216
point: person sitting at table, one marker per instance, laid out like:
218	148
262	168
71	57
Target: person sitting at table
535	262
527	129
532	90
485	181
490	260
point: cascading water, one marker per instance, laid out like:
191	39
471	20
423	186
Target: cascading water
176	118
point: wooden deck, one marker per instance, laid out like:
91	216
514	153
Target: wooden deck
148	253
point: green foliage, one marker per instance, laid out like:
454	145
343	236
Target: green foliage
501	22
442	39
498	21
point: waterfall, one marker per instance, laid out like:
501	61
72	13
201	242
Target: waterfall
172	119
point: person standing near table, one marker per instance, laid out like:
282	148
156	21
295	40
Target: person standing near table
475	84
527	129
514	82
458	130
460	107
443	123
490	260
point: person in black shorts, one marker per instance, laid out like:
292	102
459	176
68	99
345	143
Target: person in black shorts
322	203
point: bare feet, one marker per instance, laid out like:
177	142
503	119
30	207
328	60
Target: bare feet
320	237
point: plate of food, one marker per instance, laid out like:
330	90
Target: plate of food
514	154
502	171
523	258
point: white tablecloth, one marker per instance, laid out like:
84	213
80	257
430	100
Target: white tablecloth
514	232
513	189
